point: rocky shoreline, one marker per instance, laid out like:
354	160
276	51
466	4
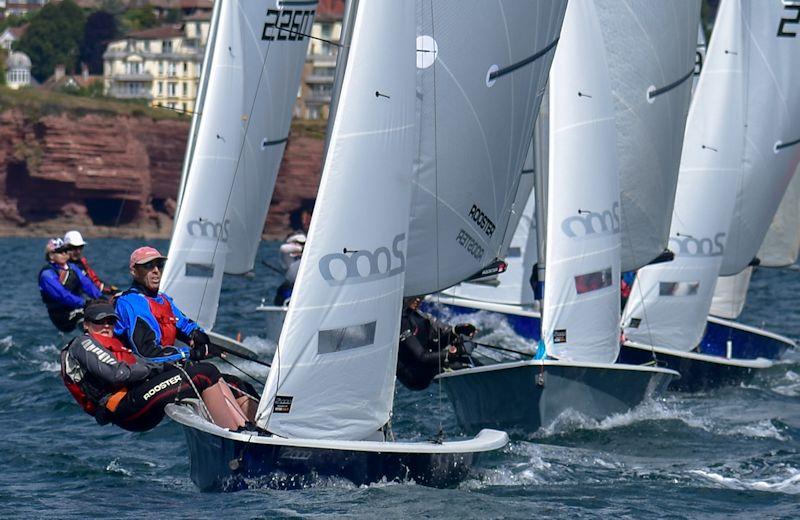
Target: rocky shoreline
112	169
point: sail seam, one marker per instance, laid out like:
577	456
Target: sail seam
667	88
530	59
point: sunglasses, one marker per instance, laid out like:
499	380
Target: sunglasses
74	248
152	264
110	322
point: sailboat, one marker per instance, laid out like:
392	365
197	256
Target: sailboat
739	155
591	218
250	77
328	398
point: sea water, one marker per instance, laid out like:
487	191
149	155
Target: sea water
733	452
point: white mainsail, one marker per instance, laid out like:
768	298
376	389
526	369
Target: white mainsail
251	88
772	125
581	301
782	243
669	302
700	55
650	48
333	372
481	75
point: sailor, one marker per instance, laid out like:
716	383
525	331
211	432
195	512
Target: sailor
428	347
151	323
113	384
64	289
74	242
292	249
148	319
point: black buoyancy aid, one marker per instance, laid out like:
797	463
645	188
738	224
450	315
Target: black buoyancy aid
90	393
71	283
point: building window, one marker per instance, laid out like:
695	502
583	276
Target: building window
184	106
160	68
185	67
185	89
147	45
171	69
166	46
160	88
172	89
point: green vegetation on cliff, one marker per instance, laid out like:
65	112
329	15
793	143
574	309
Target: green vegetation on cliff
35	103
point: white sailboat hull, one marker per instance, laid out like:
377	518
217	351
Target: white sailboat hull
221	460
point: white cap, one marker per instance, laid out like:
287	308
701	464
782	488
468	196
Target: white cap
74	238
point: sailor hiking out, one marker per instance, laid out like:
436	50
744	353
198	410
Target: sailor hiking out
115	385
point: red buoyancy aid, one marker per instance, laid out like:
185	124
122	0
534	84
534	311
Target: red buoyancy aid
167	322
84	392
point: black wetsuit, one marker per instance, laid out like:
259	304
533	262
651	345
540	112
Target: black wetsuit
423	349
129	391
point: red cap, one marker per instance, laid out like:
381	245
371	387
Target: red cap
144	255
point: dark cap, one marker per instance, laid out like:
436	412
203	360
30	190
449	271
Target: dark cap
98	311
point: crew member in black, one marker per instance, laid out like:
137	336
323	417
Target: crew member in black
427	346
113	384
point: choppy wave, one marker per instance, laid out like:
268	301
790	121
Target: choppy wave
791	386
787	481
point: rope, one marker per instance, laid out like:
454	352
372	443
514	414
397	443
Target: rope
243	372
203	406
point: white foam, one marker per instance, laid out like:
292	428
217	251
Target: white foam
50	366
787	482
533	471
6	344
115	467
791	388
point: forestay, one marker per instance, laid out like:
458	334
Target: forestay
650	47
772	124
581	298
513	286
669	302
482	68
333	372
782	243
252	86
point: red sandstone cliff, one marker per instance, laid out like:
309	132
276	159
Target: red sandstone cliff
117	174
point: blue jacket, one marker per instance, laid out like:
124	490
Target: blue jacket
137	324
54	294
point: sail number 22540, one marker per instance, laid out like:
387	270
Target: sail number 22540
287	24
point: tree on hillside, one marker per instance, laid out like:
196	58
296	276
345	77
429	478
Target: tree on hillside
53	38
101	28
139	18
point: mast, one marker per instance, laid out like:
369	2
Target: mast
541	138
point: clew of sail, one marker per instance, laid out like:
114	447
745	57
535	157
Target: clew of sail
333	371
252	84
581	299
485	88
772	125
669	302
650	47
